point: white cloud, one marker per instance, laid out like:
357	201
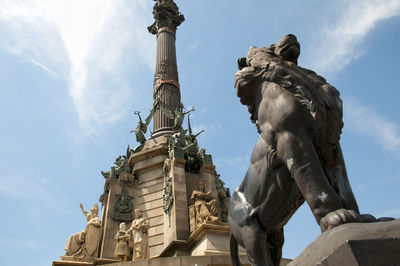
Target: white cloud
339	42
367	121
192	47
87	43
207	128
45	68
240	162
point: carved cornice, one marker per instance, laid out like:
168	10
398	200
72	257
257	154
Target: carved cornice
166	15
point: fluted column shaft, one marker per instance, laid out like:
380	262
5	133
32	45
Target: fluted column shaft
166	85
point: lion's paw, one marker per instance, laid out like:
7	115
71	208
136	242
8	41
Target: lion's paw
368	218
338	217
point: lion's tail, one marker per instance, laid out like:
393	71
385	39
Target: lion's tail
234	251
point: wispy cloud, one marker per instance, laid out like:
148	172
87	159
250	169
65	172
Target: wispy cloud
192	47
240	162
208	128
365	120
340	42
86	43
45	68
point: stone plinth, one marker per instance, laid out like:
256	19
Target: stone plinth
207	240
372	244
211	240
216	260
147	167
72	261
185	261
110	226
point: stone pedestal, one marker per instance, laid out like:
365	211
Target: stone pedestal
72	261
215	260
147	168
373	244
110	225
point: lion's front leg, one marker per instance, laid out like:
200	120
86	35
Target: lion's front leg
296	149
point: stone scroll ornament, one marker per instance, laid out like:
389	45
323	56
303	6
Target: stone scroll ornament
297	157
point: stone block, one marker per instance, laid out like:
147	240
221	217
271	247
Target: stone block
150	205
149	197
158	220
149	175
155	212
156	240
155	251
156	230
150	183
368	244
149	189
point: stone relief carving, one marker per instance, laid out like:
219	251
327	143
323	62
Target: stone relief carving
86	242
122	248
139	235
123	207
168	198
205	209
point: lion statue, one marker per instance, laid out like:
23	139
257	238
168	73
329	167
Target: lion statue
297	157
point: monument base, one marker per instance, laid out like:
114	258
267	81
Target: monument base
90	261
216	260
207	240
368	244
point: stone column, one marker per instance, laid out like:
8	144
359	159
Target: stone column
166	84
176	223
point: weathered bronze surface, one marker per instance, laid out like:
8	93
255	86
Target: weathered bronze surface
297	157
166	84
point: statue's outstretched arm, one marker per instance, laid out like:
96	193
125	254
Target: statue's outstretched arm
201	131
83	210
148	119
191	110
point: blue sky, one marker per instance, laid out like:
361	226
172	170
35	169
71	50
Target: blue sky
73	72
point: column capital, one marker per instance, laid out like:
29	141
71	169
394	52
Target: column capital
166	15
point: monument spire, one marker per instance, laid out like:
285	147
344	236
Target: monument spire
166	84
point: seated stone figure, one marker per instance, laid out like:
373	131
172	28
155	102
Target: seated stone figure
205	208
86	242
297	157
